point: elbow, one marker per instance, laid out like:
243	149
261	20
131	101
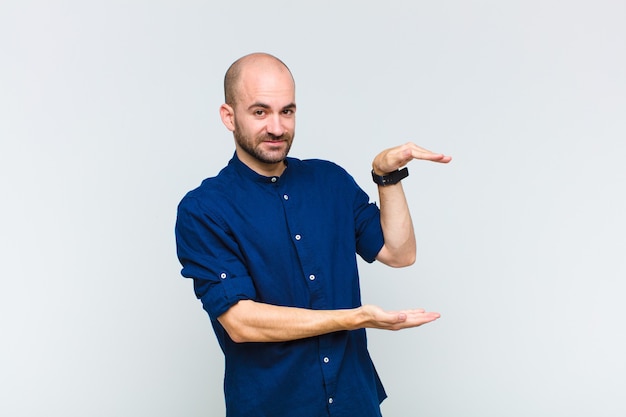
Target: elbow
404	261
406	257
237	337
236	328
410	260
397	258
236	333
398	261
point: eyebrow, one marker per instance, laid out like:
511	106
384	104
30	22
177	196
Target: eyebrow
266	106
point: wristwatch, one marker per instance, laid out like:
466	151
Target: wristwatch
392	178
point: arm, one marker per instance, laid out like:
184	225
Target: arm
250	321
395	218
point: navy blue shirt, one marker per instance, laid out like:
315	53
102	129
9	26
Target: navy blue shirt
290	241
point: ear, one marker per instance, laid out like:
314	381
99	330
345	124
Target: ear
227	114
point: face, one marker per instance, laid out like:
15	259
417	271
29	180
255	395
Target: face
267	146
263	119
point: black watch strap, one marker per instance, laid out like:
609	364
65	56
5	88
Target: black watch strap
392	178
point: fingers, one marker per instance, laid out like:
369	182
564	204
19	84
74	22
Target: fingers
417	152
405	319
375	317
417	317
394	158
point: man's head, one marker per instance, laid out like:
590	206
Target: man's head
260	110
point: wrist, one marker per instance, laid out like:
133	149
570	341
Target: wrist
377	171
391	178
359	318
350	319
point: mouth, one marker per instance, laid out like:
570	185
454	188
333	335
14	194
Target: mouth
274	141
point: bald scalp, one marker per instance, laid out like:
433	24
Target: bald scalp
233	74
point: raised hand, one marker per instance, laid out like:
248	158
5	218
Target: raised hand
392	159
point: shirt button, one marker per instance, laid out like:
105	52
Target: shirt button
330	400
326	360
286	197
298	237
274	179
223	275
312	277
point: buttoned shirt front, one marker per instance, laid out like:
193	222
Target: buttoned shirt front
290	241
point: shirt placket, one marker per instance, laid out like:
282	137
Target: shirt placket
305	247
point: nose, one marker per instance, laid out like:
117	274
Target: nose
275	126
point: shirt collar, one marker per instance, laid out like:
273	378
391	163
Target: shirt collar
246	172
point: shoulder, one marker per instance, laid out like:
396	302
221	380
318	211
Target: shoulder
322	175
211	190
319	167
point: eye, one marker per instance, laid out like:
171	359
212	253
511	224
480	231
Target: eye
259	112
288	112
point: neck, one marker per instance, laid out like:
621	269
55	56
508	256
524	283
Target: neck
266	169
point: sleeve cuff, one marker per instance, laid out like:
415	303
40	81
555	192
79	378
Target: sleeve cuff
227	293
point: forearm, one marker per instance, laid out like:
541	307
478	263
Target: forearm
395	219
399	248
250	321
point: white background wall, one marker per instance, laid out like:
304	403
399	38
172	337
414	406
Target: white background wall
108	115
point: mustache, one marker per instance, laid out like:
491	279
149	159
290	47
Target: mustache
270	137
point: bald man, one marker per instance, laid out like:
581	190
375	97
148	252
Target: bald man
271	245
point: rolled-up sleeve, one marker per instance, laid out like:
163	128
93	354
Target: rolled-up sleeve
211	256
368	231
